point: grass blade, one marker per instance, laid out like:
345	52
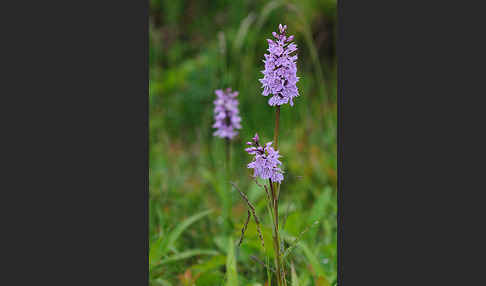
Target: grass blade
187	254
231	265
295	279
161	282
210	264
161	246
156	252
174	235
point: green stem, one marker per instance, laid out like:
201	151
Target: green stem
276	242
275	188
275	132
226	195
228	153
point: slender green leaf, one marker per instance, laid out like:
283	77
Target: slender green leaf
160	282
155	252
319	209
161	246
295	279
312	259
174	235
231	273
212	263
187	254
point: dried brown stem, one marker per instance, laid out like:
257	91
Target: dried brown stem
244	228
252	209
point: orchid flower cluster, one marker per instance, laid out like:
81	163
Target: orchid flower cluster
280	78
226	114
265	163
280	74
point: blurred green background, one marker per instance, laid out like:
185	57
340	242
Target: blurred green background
196	47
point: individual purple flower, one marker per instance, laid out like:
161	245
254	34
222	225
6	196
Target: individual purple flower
280	74
265	164
226	114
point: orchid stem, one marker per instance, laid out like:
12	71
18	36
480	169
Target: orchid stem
275	188
275	132
227	200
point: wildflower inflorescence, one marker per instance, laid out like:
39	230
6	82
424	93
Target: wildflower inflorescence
265	164
280	74
226	114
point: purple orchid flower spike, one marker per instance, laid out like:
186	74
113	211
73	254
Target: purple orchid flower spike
280	74
226	114
265	164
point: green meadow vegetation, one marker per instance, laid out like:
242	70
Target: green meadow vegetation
195	213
